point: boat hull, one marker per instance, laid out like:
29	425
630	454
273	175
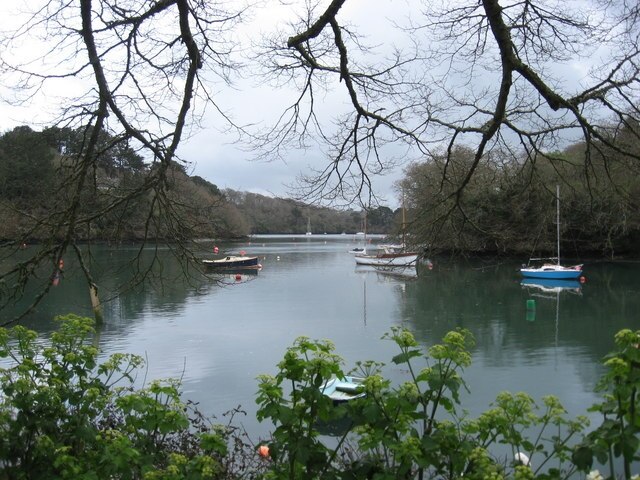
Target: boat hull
388	259
232	263
553	272
341	390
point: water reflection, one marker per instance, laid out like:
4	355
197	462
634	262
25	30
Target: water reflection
213	333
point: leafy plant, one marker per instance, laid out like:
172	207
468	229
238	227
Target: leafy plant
63	415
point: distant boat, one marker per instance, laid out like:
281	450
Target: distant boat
553	270
388	257
362	250
342	390
233	262
309	226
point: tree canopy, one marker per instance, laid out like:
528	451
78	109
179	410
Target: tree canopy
510	82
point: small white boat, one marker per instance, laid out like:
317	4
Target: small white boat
342	390
388	257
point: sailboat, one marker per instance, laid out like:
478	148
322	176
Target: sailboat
308	226
362	250
390	255
553	270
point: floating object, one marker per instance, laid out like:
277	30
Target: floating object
61	264
553	270
531	304
215	250
233	262
341	390
522	459
238	277
278	257
263	451
582	280
390	257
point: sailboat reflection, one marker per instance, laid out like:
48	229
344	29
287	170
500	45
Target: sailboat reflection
400	273
550	289
551	285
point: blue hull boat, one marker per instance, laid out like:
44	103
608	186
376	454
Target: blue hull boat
553	272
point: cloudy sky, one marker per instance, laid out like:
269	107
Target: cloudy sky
211	152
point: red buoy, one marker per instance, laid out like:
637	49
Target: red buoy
215	249
583	280
238	277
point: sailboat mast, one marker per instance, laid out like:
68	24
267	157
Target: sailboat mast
403	222
558	221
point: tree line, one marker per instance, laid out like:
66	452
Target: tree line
509	205
35	168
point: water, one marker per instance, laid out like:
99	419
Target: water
219	336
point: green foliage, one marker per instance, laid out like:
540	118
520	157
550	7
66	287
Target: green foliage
26	169
415	429
508	206
64	415
618	435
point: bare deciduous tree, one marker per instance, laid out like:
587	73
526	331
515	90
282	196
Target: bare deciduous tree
526	77
137	71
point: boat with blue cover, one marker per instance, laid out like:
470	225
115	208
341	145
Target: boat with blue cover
343	389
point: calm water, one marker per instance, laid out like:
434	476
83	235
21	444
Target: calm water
220	338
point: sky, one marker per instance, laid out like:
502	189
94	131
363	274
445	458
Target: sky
212	153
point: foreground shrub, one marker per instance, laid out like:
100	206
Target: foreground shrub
416	429
63	415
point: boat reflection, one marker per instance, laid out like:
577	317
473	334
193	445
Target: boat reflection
401	273
550	285
233	276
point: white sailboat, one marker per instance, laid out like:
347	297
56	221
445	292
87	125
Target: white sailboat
308	226
390	255
362	250
553	270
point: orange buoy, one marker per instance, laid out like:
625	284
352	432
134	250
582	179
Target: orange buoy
263	451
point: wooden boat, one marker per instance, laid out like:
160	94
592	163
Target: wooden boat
553	270
232	262
341	390
388	257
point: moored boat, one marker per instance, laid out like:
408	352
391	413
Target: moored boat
553	270
388	257
233	262
341	390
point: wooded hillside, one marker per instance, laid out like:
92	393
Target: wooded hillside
35	166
